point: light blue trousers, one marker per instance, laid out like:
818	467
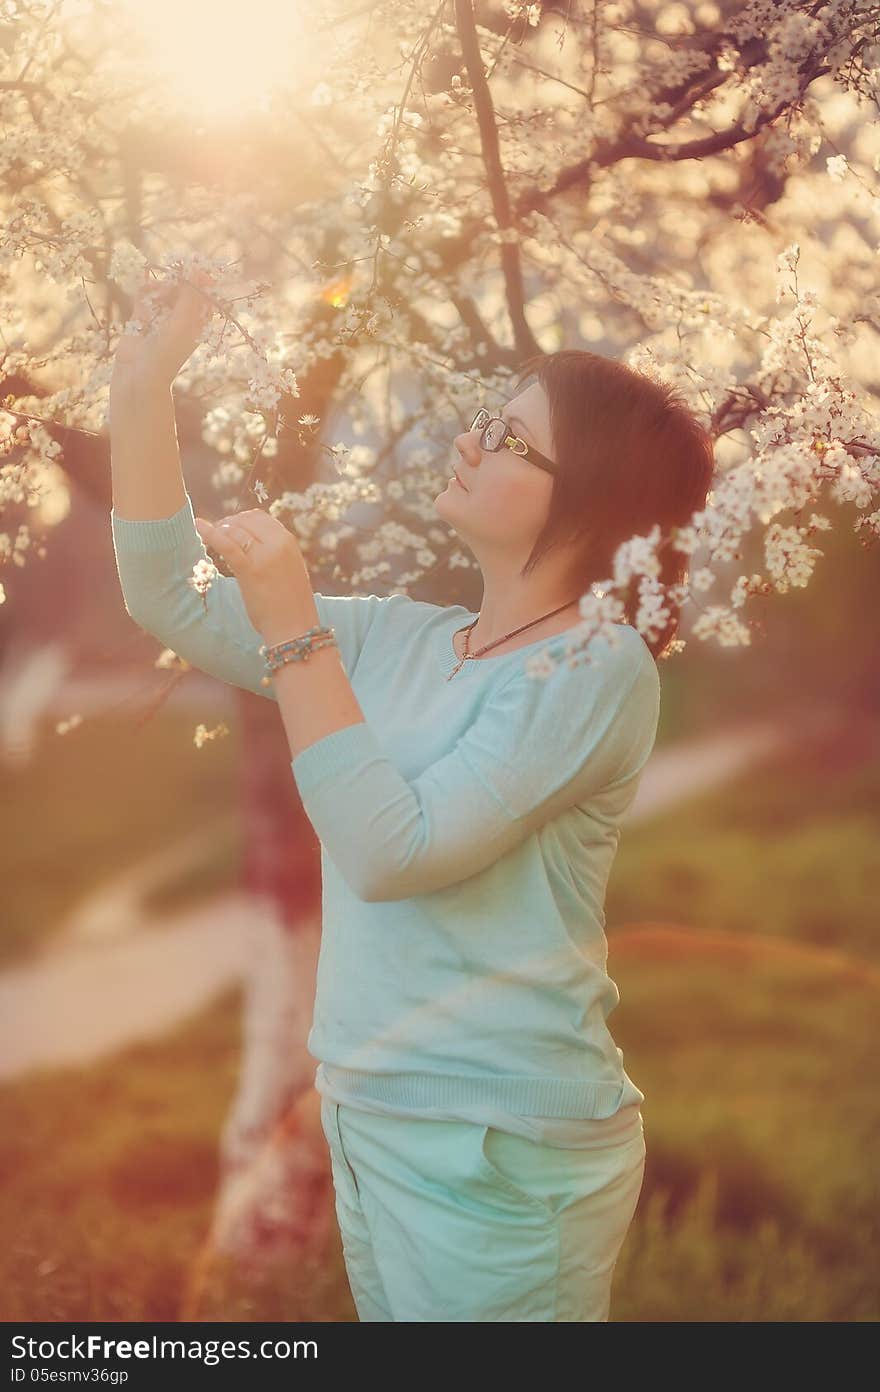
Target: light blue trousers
454	1220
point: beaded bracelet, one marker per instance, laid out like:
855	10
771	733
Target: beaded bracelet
295	649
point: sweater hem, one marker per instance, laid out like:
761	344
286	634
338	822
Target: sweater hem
562	1098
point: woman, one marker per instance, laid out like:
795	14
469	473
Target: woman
487	1145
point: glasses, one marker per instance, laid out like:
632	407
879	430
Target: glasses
495	435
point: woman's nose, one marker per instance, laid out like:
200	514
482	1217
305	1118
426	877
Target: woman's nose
468	446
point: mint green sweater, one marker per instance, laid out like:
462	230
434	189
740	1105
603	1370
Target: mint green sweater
467	831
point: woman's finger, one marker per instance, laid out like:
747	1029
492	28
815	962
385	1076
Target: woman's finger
228	540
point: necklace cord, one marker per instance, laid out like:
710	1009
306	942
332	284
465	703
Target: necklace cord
488	646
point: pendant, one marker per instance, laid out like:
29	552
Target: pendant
461	662
467	654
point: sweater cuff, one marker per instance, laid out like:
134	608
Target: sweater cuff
155	534
341	749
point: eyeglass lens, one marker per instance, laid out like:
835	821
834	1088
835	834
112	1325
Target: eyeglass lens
494	432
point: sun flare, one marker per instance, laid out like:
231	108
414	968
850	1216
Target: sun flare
222	60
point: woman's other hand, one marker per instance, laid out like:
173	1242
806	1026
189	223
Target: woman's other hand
269	566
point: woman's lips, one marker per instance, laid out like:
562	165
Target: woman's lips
459	482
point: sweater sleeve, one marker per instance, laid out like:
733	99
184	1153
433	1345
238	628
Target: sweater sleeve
154	560
537	747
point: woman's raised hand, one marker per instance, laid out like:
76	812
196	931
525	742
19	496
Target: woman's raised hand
154	355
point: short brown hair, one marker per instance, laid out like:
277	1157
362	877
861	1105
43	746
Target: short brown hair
631	455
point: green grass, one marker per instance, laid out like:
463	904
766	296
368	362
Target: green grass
757	1061
109	1172
788	849
108	1178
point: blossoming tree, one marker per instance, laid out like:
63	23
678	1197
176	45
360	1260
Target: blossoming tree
397	203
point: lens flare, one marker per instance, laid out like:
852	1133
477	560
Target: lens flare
221	61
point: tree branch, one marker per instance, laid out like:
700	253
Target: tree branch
526	344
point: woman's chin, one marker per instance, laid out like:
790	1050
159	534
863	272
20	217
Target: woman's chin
443	511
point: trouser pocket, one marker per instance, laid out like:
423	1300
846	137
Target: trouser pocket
333	1134
513	1164
545	1179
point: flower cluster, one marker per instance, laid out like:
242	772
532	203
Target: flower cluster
204	572
202	734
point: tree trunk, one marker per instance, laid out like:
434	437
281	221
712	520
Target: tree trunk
275	1182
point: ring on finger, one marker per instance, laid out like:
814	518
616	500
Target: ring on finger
245	543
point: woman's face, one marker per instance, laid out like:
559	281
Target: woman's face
503	500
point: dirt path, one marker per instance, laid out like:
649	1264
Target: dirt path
86	999
115	977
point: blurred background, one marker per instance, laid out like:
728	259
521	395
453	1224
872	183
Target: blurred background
161	1148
